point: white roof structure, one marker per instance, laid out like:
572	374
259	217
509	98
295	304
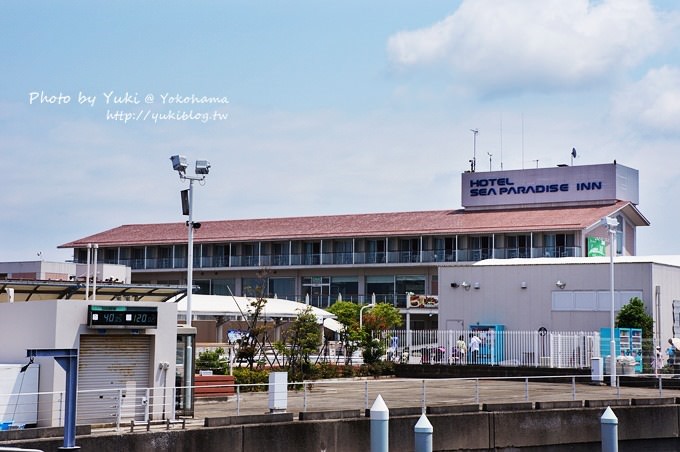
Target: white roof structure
220	305
670	260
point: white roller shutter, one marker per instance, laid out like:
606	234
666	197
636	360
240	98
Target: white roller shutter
111	366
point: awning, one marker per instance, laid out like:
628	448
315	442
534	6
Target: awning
239	307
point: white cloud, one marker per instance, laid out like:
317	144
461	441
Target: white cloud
652	104
534	44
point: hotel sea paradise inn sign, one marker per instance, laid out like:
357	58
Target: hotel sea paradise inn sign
564	184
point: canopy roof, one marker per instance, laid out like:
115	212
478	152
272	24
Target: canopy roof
72	290
220	305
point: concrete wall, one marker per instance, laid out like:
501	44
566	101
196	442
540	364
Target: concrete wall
501	427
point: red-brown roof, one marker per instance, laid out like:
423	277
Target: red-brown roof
438	222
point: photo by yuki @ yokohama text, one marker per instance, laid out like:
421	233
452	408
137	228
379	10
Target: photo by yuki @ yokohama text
169	115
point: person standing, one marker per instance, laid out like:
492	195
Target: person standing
657	363
473	347
460	351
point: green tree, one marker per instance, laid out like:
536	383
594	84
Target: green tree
251	344
347	313
300	341
377	321
633	315
381	317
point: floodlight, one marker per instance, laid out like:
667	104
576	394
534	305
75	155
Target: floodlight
609	222
179	163
202	166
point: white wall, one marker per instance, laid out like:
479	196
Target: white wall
59	324
501	299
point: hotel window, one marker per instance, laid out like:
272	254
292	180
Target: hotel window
444	249
223	287
559	245
280	253
409	250
203	286
250	254
347	286
342	251
480	247
254	287
312	253
375	251
317	289
282	288
382	287
403	284
517	246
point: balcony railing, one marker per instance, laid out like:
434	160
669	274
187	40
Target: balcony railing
349	258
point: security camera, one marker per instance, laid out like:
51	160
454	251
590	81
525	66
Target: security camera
179	163
202	167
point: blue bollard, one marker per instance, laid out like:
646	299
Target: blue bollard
609	425
380	419
423	431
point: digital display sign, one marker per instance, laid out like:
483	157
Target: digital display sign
137	317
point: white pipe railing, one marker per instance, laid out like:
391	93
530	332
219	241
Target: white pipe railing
558	349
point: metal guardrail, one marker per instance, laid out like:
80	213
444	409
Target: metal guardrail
126	406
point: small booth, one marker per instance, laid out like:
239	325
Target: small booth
491	348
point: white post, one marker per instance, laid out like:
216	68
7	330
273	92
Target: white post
612	342
423	432
609	425
94	277
87	273
408	328
380	417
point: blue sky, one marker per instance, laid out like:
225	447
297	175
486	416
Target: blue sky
333	107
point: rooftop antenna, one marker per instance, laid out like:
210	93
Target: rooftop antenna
573	155
522	140
490	155
474	149
536	162
501	141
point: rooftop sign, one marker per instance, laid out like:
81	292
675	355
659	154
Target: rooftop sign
567	184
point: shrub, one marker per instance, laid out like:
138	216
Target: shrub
212	360
247	376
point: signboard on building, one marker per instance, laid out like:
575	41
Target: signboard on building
596	247
549	186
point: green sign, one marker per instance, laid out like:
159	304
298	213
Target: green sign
596	247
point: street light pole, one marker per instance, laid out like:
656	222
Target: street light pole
179	164
361	315
190	253
611	224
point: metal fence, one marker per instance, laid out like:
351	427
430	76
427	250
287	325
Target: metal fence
557	349
125	406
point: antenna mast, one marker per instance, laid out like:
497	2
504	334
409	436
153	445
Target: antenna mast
473	166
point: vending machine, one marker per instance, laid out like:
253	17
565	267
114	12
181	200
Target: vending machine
628	342
491	348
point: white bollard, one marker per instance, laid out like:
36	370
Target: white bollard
380	419
609	425
423	431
